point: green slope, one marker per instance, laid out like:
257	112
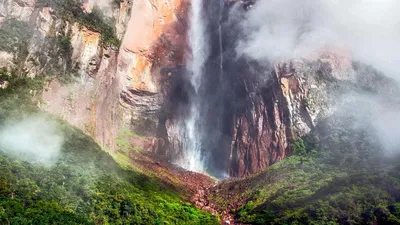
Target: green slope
85	185
336	177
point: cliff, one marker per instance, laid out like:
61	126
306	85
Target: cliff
107	73
102	66
296	96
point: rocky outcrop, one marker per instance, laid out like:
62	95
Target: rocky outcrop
102	89
19	9
297	95
83	88
157	42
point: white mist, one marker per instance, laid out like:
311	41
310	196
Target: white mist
33	139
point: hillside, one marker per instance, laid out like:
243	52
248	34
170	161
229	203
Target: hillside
199	112
337	176
84	185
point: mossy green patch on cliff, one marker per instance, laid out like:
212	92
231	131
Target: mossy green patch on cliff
13	35
71	10
65	45
124	146
21	94
124	142
85	185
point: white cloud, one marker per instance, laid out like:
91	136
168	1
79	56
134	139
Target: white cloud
375	114
32	139
285	29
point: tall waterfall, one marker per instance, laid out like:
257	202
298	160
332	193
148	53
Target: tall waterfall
221	50
192	158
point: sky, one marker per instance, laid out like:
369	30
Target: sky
286	29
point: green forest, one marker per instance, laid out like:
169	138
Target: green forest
85	185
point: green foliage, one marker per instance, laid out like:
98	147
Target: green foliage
335	177
85	186
124	141
299	147
20	94
305	145
72	11
65	45
41	212
13	35
307	192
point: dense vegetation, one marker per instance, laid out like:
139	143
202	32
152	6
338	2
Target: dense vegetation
71	10
337	176
13	35
85	185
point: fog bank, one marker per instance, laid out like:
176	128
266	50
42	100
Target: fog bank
376	114
286	29
34	139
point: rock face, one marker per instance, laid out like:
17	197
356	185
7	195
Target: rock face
20	9
251	112
86	92
156	42
297	94
101	89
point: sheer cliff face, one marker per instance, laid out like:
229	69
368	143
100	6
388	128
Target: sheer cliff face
82	87
101	89
272	104
150	46
287	106
251	110
21	10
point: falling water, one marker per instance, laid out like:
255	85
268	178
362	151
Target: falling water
221	53
192	158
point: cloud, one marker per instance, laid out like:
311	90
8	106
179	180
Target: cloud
285	29
373	114
106	6
33	139
369	30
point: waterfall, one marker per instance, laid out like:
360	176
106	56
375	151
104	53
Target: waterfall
221	50
192	158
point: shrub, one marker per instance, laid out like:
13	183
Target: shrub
65	45
299	148
72	11
13	35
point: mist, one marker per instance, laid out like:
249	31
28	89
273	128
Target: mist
106	6
367	31
34	139
376	114
285	29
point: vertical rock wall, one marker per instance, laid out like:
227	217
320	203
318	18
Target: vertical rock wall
110	89
155	39
252	110
295	97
